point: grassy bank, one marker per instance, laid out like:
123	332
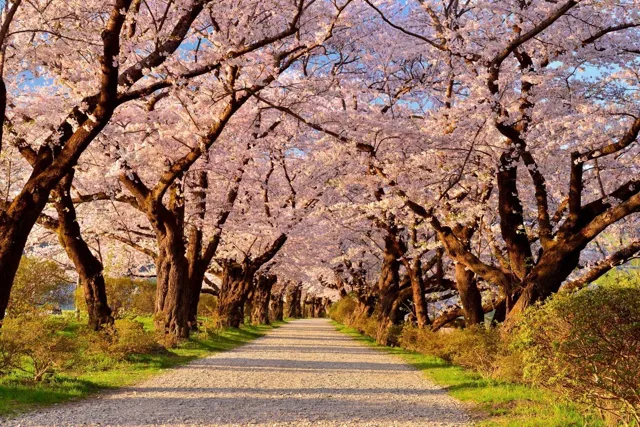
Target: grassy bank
19	394
495	403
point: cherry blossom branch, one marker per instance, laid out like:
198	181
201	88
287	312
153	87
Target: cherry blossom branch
496	62
268	255
133	244
619	257
3	88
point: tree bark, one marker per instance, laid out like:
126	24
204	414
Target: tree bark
511	217
237	280
235	288
417	288
88	267
470	297
277	309
262	298
388	286
293	301
173	299
545	279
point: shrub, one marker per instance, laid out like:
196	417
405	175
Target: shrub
39	341
126	297
209	323
342	310
10	353
482	350
348	311
120	340
587	345
475	348
208	304
38	285
485	351
131	338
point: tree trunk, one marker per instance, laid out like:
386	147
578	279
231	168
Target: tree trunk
235	288
511	217
388	288
15	226
262	298
277	309
293	301
196	278
88	267
173	299
237	280
365	308
402	297
470	297
417	287
545	279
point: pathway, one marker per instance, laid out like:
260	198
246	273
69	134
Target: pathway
304	373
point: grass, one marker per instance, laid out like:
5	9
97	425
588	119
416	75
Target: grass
19	394
495	403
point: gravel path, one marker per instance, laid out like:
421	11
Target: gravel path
304	373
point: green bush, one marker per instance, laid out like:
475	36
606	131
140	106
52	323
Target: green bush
39	343
126	297
118	341
131	338
587	345
348	311
207	305
342	310
209	323
486	351
38	285
10	353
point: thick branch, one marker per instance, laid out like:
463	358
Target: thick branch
620	257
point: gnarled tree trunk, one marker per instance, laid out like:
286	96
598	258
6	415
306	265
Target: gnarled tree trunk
293	301
235	288
88	267
470	297
277	309
417	288
237	280
261	298
173	299
388	287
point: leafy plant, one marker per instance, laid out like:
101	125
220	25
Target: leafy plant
587	345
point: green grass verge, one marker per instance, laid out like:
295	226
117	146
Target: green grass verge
495	403
18	394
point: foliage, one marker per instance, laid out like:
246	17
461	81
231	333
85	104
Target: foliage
342	310
38	338
587	345
207	305
39	284
351	313
501	403
126	297
483	350
209	323
10	353
98	371
121	340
